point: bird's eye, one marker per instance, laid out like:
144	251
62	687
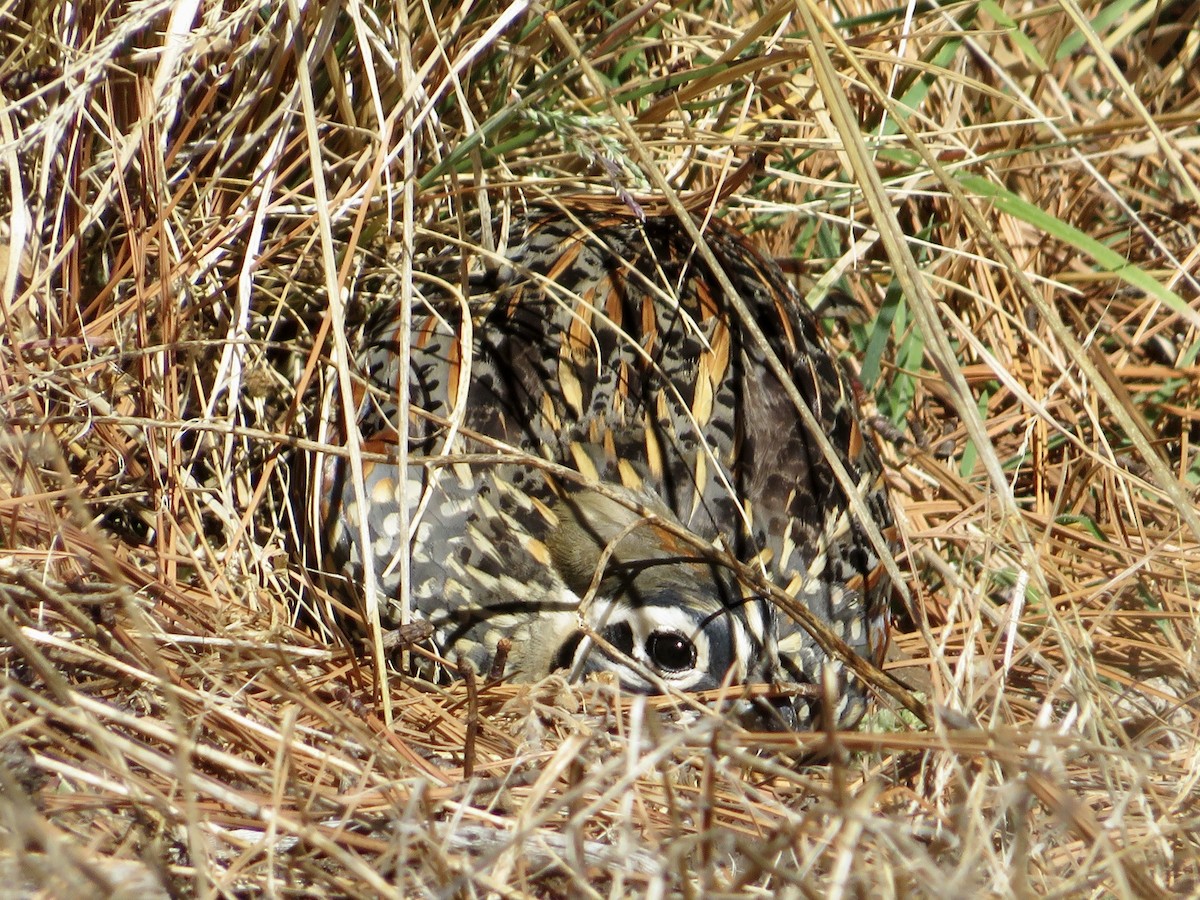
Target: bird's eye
670	651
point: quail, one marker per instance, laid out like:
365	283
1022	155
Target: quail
601	458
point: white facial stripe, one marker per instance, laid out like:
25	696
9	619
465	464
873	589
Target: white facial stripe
743	647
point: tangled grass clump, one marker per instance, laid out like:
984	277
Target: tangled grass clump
201	205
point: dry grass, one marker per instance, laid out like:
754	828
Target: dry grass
193	221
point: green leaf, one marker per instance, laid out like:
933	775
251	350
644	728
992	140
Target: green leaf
1107	259
1109	14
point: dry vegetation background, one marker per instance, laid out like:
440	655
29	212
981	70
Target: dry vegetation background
200	200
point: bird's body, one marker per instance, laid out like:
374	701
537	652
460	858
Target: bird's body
606	348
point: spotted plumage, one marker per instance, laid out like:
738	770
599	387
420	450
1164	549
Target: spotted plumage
606	347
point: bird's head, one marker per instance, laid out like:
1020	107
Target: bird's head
657	611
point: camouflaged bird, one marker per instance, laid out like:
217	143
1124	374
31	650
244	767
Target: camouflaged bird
606	346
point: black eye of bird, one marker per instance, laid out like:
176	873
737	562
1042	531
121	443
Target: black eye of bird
670	651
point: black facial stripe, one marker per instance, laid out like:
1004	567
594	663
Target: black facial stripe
738	637
565	658
620	635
